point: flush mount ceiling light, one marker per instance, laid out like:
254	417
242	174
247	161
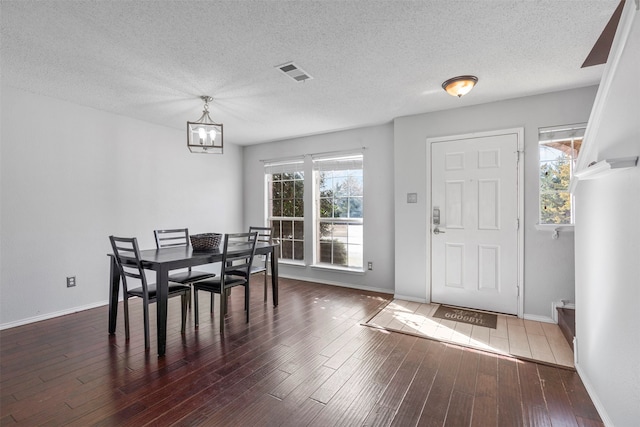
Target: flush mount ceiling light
204	136
461	85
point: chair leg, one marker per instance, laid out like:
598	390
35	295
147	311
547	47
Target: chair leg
146	324
223	308
195	306
126	317
227	294
246	299
211	305
265	285
189	295
185	298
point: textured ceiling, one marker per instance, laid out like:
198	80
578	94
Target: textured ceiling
371	61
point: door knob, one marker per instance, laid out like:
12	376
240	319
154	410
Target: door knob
437	231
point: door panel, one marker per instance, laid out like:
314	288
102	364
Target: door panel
474	256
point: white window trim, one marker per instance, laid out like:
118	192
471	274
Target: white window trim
310	196
559	133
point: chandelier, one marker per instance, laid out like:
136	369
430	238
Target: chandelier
204	135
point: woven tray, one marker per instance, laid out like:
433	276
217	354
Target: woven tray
205	241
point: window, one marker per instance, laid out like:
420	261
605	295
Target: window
339	219
558	149
334	220
285	206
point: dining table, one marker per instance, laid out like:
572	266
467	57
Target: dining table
164	260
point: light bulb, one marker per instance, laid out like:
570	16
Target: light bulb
202	134
213	134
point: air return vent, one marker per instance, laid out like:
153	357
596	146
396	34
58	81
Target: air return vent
295	72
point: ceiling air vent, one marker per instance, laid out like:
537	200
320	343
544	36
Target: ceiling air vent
295	72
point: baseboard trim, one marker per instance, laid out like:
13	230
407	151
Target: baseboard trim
48	316
538	318
594	396
332	283
409	298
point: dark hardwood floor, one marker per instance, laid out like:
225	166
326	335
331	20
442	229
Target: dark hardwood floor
306	362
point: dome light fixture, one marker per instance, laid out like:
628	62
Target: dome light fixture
204	136
459	86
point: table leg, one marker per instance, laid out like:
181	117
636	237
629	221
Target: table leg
274	275
162	290
114	291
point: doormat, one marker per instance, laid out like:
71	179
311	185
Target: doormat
471	317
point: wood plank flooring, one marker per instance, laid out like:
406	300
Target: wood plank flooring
537	341
306	362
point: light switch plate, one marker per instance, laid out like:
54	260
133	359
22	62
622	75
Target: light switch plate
412	197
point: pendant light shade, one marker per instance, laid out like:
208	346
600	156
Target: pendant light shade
459	86
204	135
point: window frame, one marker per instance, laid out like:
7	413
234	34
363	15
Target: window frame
292	167
310	220
344	162
566	133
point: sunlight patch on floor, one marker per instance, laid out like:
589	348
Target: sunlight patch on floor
539	341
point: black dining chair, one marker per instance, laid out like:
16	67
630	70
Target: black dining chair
127	255
180	237
235	270
264	236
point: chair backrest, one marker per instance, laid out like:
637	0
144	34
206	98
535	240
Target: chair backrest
264	233
127	256
172	237
238	252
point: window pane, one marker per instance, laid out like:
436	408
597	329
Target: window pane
287	249
341	208
325	231
555	175
340	255
355	234
275	226
340	187
325	252
287	190
299	189
355	256
298	208
326	208
298	250
288	208
326	183
355	207
277	207
298	230
287	229
555	208
355	185
276	189
340	233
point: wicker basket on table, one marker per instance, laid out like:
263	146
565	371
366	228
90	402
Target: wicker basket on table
205	241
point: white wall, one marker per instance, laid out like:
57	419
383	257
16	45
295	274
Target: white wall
549	266
378	199
71	176
608	245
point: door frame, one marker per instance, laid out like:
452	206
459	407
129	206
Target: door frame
519	132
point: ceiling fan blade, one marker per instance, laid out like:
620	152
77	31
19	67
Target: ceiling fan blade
600	51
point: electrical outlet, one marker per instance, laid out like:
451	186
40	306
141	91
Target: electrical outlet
369	265
71	281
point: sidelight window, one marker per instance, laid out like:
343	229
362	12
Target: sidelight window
558	148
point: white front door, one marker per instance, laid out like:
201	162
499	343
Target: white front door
474	249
